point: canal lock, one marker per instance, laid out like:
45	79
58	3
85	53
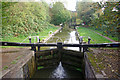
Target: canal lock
71	63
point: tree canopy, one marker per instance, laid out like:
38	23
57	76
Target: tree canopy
59	13
24	18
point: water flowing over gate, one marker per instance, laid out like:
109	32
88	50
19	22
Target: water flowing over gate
67	58
73	59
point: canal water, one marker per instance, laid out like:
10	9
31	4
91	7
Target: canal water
60	72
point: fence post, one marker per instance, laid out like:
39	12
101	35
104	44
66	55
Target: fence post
88	43
89	40
29	39
39	46
30	42
74	27
34	48
60	47
80	42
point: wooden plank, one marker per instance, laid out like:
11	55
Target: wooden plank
53	61
72	65
72	59
72	53
47	59
46	53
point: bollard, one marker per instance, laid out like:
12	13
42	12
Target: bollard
30	39
34	48
89	40
80	42
88	43
39	40
60	47
30	42
74	27
39	46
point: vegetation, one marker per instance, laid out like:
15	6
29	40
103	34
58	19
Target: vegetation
20	38
6	67
85	11
94	61
59	14
101	32
102	17
40	67
108	22
95	38
23	19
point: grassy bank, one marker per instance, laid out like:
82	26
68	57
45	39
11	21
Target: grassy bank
95	37
102	32
20	38
42	35
23	19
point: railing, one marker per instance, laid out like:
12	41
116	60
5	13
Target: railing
116	44
59	45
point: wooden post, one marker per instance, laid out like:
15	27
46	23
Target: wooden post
29	39
38	41
60	47
88	43
39	46
30	42
80	42
74	27
34	48
89	40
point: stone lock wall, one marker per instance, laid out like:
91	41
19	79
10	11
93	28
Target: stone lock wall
25	68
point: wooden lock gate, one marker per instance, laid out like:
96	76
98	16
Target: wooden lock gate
68	58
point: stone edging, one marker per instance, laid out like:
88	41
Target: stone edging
52	35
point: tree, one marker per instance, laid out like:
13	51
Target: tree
59	13
85	11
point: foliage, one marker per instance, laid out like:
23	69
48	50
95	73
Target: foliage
85	11
106	21
59	14
20	38
24	18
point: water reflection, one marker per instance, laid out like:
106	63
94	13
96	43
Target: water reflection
73	40
65	36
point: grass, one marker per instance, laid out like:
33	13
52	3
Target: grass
95	38
21	20
14	62
79	69
6	67
40	67
93	61
109	36
19	57
20	38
